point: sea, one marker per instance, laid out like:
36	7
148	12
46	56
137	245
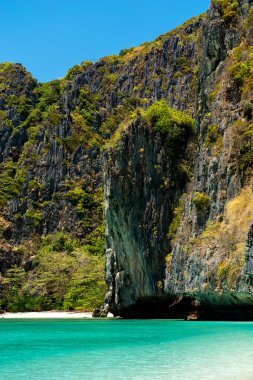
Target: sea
117	349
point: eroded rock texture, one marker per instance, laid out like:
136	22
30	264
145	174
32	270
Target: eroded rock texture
142	187
207	250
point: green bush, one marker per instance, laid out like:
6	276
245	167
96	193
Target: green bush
65	276
80	199
202	202
52	115
167	120
4	66
3	116
240	71
213	136
34	185
72	142
75	70
48	94
183	65
229	9
34	218
124	52
87	287
11	181
82	133
76	195
177	126
78	69
177	216
58	242
68	280
96	241
248	110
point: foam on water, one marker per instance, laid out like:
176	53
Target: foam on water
125	349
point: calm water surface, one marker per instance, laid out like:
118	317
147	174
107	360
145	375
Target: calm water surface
122	349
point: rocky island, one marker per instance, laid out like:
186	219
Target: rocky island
147	154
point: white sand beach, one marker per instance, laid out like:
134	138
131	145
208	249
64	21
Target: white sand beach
47	315
50	315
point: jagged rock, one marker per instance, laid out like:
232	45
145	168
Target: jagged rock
217	176
217	173
142	186
99	313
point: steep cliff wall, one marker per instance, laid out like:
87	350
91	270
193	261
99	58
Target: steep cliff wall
51	177
69	120
212	219
208	249
144	178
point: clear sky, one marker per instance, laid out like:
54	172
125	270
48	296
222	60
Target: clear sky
50	36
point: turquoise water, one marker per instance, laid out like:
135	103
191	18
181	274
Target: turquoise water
125	349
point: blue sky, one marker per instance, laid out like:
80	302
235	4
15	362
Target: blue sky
50	36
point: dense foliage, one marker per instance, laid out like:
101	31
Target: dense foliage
229	9
201	201
65	276
177	126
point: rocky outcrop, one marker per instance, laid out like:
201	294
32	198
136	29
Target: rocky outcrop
169	229
57	151
52	136
16	100
192	307
216	176
247	273
142	187
217	171
205	236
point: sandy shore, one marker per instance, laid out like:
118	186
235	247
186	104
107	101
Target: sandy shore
50	315
47	315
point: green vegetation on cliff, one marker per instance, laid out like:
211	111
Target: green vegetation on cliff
177	126
201	201
53	239
59	206
229	9
169	121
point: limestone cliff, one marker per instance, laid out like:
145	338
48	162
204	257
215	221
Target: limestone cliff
52	136
144	180
213	216
173	201
208	251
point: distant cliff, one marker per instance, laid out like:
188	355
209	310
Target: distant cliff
174	194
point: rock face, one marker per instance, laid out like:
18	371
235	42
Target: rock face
58	140
52	134
247	273
142	187
218	172
207	251
248	268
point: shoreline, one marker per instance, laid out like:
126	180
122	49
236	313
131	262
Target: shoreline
46	315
